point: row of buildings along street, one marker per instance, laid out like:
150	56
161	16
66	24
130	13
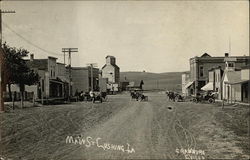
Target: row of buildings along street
227	76
141	86
55	80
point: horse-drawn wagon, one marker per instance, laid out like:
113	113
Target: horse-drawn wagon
138	95
174	96
93	96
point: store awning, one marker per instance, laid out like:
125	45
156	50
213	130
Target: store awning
55	81
208	87
188	84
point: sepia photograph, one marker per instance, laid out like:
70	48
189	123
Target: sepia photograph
125	79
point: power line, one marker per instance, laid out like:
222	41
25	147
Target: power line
31	43
91	74
69	50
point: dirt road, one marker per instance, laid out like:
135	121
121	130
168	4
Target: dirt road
117	129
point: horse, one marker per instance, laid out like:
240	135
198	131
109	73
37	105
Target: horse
171	95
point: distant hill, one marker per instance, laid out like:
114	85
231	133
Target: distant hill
161	81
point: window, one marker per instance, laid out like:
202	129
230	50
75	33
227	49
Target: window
191	91
43	85
231	64
246	91
201	71
51	73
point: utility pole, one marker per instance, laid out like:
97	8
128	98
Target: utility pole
2	85
91	74
157	84
69	51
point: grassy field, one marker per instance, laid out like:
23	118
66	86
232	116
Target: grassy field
161	81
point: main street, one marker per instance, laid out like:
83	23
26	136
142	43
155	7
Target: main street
120	128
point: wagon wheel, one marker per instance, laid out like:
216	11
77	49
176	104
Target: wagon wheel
195	100
176	99
106	98
211	100
140	99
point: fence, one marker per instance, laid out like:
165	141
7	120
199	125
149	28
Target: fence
27	96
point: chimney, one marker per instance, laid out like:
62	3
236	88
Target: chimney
226	54
31	57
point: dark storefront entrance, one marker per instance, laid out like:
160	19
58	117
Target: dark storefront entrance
56	89
245	91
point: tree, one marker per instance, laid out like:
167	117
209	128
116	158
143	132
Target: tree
16	69
2	86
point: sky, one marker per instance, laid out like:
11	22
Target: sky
151	36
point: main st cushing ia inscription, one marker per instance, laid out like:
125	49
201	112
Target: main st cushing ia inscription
97	142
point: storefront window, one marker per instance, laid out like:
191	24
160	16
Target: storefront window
201	71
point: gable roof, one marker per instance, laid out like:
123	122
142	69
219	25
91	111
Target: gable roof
205	55
109	56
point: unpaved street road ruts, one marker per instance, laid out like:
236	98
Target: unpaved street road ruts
120	128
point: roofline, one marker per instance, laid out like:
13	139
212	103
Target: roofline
186	72
59	63
215	68
219	57
239	82
78	68
35	59
52	57
109	56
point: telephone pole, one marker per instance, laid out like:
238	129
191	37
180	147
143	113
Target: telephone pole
69	51
91	74
2	85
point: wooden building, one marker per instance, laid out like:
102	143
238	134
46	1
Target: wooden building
200	66
112	72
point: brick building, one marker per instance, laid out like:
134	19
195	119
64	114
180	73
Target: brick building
200	66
